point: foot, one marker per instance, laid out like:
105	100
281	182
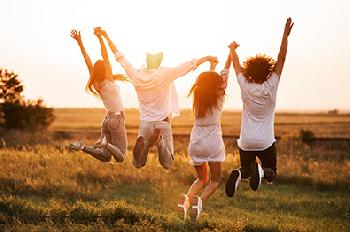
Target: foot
77	146
196	210
182	206
256	175
233	182
138	148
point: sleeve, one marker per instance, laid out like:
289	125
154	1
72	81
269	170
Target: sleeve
180	70
241	80
127	66
224	75
273	82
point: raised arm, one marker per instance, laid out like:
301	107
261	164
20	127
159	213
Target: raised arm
128	68
228	61
77	36
283	49
234	57
186	67
104	53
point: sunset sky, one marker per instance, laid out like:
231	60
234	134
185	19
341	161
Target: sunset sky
35	43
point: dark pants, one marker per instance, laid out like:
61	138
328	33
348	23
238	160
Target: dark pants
267	157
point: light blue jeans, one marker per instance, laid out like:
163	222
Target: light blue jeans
113	127
164	143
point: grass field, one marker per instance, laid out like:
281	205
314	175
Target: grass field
45	187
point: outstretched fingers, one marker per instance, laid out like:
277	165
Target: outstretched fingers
289	26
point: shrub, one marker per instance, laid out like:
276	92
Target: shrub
31	115
18	113
307	136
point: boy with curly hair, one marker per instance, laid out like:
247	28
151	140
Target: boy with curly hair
258	80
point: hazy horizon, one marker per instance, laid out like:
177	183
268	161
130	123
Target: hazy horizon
36	45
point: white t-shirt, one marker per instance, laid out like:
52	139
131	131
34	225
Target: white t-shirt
110	96
259	101
155	88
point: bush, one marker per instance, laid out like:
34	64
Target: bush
31	115
307	136
18	113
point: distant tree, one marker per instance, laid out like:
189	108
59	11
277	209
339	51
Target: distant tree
333	112
18	113
10	87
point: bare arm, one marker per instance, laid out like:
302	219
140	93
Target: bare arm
228	62
212	59
234	57
110	42
104	53
127	66
283	49
77	36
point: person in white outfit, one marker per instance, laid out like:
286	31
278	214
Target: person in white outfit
158	103
113	140
206	148
258	79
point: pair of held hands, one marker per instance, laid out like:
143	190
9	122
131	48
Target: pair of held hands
98	31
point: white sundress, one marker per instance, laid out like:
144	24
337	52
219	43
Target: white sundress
206	143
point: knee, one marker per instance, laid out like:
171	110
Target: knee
106	159
120	159
167	164
138	165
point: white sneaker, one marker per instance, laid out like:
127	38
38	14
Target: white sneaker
197	206
78	146
182	206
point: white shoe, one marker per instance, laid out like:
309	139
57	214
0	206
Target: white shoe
78	146
197	206
182	206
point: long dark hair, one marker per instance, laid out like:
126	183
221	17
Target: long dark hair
98	75
206	92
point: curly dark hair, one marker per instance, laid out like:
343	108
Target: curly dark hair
258	68
206	92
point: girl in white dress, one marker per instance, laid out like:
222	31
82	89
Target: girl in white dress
206	148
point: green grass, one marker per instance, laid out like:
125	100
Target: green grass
44	188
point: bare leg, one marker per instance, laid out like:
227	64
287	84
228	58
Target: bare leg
215	179
203	179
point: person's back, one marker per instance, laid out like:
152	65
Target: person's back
258	79
259	101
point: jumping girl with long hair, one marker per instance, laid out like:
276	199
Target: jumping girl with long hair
206	148
113	141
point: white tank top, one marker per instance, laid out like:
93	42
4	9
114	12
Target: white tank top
110	95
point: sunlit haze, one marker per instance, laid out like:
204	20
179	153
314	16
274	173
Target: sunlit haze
35	43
